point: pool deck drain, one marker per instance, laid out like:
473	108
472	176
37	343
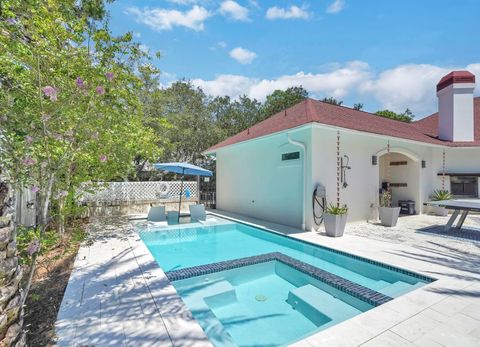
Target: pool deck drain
118	296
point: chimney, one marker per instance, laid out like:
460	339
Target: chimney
455	106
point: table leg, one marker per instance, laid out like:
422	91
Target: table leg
462	219
452	220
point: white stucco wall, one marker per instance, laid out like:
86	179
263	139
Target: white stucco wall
252	179
458	160
361	196
455	105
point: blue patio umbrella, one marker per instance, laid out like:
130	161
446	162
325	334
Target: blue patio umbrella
183	169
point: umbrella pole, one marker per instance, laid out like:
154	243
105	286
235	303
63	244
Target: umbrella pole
181	193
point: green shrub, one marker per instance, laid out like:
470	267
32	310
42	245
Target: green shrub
440	194
336	210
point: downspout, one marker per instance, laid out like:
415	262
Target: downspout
304	147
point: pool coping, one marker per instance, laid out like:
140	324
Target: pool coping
356	290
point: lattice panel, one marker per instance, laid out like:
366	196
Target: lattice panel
142	191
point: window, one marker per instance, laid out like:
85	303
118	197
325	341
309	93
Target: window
465	186
291	156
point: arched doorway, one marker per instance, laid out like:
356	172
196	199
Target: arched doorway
400	170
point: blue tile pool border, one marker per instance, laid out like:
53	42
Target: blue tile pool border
349	255
363	293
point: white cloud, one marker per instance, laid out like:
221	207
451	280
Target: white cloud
165	19
242	55
336	6
337	83
233	10
412	85
293	12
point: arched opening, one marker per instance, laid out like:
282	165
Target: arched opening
399	171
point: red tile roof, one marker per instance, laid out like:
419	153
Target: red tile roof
314	111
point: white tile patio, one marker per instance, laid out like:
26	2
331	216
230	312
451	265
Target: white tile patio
118	296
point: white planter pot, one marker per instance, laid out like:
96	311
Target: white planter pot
389	215
334	224
439	211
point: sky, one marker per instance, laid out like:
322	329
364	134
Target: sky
382	53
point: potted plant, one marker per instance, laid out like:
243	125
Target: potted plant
388	214
335	218
440	195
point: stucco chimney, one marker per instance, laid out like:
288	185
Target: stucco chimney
455	106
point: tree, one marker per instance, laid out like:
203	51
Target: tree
185	121
407	116
280	100
332	101
232	117
70	113
358	106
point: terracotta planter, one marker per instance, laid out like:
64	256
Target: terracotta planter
334	224
389	215
439	211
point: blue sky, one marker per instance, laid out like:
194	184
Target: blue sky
385	54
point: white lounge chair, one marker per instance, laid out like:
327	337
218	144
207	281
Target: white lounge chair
197	213
156	214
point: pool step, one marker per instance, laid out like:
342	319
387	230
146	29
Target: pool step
318	306
220	294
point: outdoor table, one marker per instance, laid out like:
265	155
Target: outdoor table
463	206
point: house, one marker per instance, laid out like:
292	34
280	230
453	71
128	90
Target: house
270	170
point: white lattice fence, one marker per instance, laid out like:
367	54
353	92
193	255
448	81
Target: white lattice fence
141	191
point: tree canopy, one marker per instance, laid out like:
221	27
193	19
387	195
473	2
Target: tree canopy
407	116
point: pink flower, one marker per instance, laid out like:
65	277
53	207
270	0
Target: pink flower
34	189
100	90
45	117
109	76
33	247
103	158
28	161
62	194
79	83
28	139
50	92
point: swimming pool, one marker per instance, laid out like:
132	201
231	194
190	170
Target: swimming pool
219	269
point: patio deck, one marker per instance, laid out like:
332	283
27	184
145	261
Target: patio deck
118	296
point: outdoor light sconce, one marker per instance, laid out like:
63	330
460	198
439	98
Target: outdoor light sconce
374	160
344	167
424	164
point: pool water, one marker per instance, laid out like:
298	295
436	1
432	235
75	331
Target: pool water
267	304
183	246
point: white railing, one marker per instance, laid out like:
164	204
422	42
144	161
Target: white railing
140	191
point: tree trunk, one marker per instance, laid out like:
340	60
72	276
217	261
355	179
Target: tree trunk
61	217
11	308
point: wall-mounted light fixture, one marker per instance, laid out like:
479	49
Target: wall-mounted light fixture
374	160
424	164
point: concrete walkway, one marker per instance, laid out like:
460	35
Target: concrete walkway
118	296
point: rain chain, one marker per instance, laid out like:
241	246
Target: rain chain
443	171
338	168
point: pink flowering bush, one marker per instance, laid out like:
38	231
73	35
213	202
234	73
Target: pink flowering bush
100	90
50	92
